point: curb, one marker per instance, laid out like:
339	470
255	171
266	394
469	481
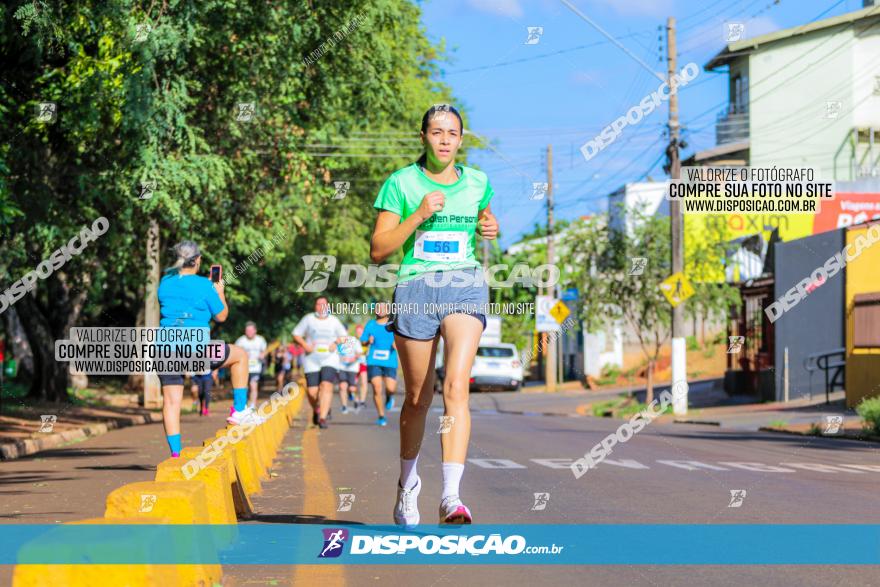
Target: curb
28	446
217	494
845	436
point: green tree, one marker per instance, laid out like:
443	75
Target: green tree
152	93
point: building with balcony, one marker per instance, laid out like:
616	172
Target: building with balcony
807	96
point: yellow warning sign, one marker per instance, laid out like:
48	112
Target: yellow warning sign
560	312
676	288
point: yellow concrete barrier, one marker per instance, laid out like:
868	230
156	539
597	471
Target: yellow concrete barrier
217	479
242	505
246	466
256	443
273	430
180	502
257	438
270	429
83	575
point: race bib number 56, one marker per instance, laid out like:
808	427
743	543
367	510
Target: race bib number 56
440	245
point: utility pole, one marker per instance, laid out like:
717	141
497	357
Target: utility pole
679	348
550	366
152	388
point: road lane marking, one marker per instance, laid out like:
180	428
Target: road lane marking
626	463
564	463
554	463
873	468
757	467
692	465
320	500
820	468
496	464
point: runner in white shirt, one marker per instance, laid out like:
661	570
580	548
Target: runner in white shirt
318	334
255	347
361	377
350	353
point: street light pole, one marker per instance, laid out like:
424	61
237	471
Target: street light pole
679	347
550	366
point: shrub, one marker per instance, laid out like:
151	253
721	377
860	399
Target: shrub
692	344
609	375
869	410
604	409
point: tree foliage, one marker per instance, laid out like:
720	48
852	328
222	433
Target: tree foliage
150	94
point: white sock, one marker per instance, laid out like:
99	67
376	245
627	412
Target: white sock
408	472
452	473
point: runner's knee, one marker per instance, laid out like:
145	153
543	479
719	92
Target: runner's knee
417	401
455	391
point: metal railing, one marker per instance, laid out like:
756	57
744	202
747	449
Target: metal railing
731	125
828	361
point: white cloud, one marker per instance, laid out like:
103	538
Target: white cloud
509	8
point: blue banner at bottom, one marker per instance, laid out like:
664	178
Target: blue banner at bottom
575	544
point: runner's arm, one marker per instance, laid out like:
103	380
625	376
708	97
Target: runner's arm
221	292
301	342
488	223
390	233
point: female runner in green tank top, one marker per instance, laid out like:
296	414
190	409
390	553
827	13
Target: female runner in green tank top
432	209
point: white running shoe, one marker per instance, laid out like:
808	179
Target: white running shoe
246	416
452	511
257	417
406	510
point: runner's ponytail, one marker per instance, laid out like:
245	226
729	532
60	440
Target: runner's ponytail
187	253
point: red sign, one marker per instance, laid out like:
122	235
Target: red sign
846	209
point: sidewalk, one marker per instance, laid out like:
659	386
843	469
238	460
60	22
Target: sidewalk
32	428
799	416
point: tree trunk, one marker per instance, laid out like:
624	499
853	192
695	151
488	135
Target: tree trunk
46	324
649	389
17	344
135	382
50	379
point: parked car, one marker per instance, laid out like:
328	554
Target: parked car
497	366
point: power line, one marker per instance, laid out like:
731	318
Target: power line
542	56
608	36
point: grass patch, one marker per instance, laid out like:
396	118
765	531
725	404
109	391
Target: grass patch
692	344
627	412
609	375
606	408
778	424
869	410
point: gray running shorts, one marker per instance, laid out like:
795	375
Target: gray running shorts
421	303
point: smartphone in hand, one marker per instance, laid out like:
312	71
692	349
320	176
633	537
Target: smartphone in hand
216	273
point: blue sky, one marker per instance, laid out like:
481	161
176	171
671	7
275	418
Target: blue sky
573	82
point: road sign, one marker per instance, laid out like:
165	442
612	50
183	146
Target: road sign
544	319
560	312
677	288
570	295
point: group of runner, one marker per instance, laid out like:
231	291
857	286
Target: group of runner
332	356
431	209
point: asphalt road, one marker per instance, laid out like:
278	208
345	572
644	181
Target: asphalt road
668	473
